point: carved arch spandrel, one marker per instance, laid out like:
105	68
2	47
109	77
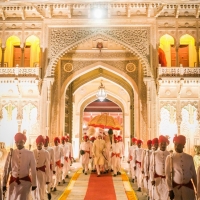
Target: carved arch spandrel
62	40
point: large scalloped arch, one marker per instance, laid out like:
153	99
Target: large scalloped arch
143	59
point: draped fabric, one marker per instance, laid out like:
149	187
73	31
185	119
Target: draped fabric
162	58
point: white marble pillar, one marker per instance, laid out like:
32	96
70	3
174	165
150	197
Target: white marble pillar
45	106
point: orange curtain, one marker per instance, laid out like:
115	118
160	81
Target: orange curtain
162	58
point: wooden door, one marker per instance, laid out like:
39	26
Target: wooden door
183	55
17	56
173	56
27	53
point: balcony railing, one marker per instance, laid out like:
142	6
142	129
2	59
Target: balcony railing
178	71
19	71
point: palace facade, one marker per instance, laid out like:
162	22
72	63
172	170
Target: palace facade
55	54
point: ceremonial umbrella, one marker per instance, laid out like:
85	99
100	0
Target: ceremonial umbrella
105	121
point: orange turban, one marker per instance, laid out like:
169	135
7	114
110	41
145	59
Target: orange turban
163	139
139	142
155	140
134	139
85	137
120	138
92	138
149	142
20	137
40	139
57	139
46	139
180	139
63	138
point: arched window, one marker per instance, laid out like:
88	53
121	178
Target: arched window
165	50
187	51
32	52
12	52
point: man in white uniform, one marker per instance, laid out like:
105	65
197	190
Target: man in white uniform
137	158
22	163
116	156
70	150
52	166
145	167
86	149
130	158
98	150
180	171
157	170
58	152
67	162
155	144
42	169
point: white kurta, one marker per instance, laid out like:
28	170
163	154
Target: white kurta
87	148
116	155
183	171
157	167
146	167
130	158
22	163
42	158
52	167
70	150
67	162
58	153
137	158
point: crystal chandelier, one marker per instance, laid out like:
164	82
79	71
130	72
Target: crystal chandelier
101	94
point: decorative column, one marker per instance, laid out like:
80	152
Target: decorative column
3	55
45	106
148	82
22	57
19	114
177	55
197	50
48	103
156	59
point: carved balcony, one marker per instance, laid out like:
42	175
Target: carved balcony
20	72
178	72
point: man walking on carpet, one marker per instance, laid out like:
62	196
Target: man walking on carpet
98	150
86	153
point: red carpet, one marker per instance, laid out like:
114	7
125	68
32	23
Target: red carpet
100	188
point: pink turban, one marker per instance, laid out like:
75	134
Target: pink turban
20	137
180	139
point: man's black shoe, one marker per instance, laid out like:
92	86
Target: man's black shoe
49	196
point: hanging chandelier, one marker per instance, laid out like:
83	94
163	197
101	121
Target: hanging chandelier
101	94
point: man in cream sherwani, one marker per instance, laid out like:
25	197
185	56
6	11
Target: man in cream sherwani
137	158
98	150
42	168
130	158
86	148
59	160
181	165
157	170
52	166
116	156
22	163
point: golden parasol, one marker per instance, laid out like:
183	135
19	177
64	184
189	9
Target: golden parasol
104	121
